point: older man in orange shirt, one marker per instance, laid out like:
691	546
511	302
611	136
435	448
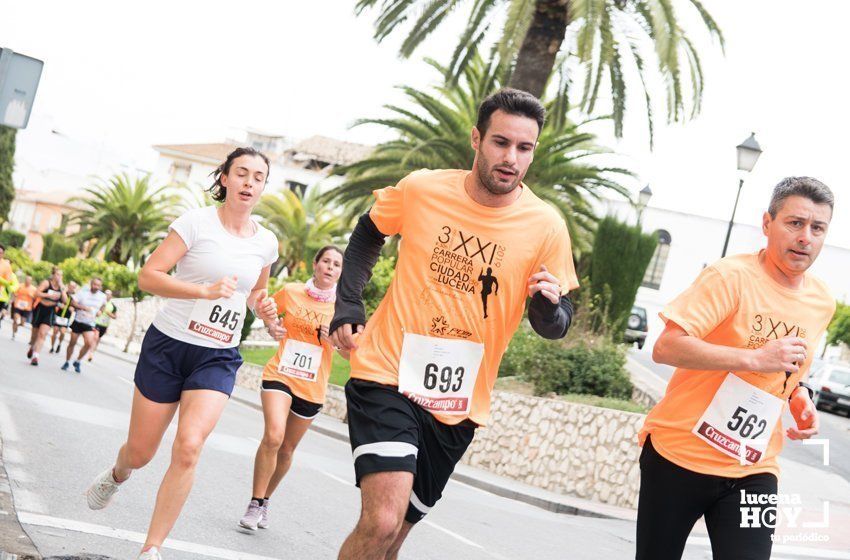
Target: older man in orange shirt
742	337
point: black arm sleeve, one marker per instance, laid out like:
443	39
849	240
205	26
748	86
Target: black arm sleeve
360	257
548	319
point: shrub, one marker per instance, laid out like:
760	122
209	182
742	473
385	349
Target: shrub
11	238
579	365
375	290
19	258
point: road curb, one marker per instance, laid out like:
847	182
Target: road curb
15	543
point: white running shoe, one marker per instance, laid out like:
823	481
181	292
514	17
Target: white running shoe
264	516
150	554
252	516
102	489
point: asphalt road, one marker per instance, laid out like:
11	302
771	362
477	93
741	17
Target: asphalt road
60	429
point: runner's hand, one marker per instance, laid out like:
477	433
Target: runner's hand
276	330
264	307
323	332
810	411
782	355
546	284
344	337
224	288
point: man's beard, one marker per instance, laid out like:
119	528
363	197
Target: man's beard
485	175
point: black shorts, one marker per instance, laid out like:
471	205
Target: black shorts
390	433
42	315
673	498
23	313
300	407
101	330
4	305
80	328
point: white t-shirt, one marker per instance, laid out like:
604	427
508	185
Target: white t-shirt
93	300
213	254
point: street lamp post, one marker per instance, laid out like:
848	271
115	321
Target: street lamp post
748	154
643	199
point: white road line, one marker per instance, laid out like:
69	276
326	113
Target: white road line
125	380
786	549
338	479
455	535
132	536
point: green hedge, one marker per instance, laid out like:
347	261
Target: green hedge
57	248
579	365
11	238
621	253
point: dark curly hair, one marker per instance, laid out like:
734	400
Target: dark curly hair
219	191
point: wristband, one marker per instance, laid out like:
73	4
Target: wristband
807	387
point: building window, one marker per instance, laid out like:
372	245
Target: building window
655	270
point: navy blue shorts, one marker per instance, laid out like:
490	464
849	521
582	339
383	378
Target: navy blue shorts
167	367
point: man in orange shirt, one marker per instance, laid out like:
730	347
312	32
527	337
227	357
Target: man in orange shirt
423	368
22	305
742	337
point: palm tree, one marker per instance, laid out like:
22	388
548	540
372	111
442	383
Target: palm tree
596	40
302	227
125	218
436	136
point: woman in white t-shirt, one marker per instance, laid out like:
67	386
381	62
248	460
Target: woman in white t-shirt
189	355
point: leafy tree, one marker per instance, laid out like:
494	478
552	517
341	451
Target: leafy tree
434	134
7	164
621	253
838	331
302	226
125	218
588	42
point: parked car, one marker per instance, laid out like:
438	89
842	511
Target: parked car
831	383
636	327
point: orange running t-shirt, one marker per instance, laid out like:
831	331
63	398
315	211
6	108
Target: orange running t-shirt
24	298
733	303
458	261
307	362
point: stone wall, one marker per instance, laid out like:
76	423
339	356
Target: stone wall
568	448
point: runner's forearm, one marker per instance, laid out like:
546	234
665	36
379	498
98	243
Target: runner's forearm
360	257
690	352
163	284
550	320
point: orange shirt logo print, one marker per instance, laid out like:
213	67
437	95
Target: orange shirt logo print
464	261
765	328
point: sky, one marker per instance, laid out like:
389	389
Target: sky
118	79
